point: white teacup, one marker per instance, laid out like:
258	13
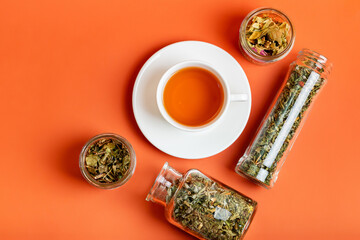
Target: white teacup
228	96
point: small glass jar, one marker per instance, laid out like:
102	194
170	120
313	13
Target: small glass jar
202	206
262	58
124	178
281	125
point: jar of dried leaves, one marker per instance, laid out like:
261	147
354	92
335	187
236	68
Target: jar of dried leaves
282	123
107	161
202	206
266	35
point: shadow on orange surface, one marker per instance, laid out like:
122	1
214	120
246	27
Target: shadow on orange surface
69	157
229	29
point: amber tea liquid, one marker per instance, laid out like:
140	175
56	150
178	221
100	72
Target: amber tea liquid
193	96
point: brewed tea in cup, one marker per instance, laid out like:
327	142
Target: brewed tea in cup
193	96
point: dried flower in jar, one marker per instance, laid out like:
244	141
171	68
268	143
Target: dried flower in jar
267	36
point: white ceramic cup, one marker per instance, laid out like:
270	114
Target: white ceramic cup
228	96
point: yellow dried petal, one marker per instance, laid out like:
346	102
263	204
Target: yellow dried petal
256	25
255	35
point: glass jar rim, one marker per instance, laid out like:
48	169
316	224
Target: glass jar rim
121	181
320	61
245	23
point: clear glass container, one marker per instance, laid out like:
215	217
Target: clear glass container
281	125
202	206
124	178
250	53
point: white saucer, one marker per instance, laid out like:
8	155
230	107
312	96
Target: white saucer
176	142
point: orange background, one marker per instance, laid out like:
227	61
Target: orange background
67	70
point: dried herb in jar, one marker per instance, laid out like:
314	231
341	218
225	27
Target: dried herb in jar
275	137
211	210
107	160
267	36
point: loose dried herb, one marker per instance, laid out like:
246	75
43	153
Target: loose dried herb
274	138
107	160
267	36
210	210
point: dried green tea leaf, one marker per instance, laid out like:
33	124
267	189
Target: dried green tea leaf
99	176
108	147
92	160
102	169
107	160
126	159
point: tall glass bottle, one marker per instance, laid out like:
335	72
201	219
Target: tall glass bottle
202	206
266	153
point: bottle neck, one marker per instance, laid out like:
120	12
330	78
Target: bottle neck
315	62
165	185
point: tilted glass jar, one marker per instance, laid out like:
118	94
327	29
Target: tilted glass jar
202	206
266	153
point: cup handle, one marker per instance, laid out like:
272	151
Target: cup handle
239	97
